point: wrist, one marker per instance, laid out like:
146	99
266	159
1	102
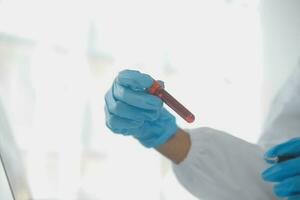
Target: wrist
177	147
155	141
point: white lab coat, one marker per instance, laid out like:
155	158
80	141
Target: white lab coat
220	166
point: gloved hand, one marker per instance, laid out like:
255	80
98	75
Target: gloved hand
286	173
131	110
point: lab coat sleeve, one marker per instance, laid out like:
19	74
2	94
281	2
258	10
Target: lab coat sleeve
221	166
281	31
283	120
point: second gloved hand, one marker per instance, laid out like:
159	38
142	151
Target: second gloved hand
131	110
286	173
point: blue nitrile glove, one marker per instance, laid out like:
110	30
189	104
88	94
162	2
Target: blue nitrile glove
131	110
286	173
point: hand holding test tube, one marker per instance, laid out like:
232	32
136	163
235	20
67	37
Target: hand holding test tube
130	109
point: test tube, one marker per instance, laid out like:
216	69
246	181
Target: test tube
157	90
278	159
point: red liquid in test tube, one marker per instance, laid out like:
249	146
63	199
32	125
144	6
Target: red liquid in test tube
159	91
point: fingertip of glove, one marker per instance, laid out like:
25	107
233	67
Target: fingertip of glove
134	79
281	190
270	174
272	152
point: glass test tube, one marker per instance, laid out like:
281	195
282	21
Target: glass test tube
159	91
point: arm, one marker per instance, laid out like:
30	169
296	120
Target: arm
280	19
221	166
209	163
177	147
282	122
